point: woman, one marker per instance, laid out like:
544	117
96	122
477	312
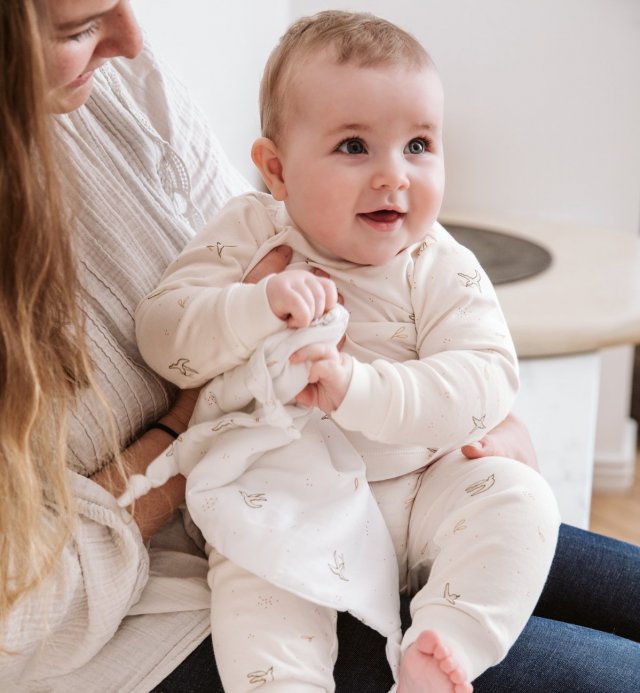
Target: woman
106	171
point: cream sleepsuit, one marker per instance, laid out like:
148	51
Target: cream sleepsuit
434	368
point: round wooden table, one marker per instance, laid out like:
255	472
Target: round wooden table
586	300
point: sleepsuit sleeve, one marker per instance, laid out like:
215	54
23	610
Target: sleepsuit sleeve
201	320
465	378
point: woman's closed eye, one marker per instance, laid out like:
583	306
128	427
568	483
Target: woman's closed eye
85	33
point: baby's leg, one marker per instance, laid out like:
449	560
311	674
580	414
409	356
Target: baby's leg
481	539
267	637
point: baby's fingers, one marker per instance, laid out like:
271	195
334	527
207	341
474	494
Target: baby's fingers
307	397
325	294
301	307
320	351
311	297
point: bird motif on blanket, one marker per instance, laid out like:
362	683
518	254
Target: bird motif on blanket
253	500
449	596
261	676
338	566
181	365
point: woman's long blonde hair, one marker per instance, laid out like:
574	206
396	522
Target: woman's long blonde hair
43	357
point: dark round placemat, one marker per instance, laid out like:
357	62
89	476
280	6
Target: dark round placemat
505	258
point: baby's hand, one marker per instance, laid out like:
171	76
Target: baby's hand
329	376
299	297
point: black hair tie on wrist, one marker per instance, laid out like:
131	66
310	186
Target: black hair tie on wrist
163	427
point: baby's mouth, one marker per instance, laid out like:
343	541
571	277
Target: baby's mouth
384	216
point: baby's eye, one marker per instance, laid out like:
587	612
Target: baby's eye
417	145
352	146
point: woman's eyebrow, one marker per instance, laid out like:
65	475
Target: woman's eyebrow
75	23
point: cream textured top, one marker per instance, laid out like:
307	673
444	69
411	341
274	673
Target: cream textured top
145	173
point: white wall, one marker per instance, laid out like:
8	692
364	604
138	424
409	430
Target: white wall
542	102
218	49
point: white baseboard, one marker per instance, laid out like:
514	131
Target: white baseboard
614	470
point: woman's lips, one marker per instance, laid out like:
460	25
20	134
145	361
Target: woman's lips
82	79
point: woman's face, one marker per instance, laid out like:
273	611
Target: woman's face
85	34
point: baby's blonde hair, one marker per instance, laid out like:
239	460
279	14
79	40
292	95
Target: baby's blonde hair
354	37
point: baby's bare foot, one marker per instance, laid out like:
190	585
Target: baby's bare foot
429	666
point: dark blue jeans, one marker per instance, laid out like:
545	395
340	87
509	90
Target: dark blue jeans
584	636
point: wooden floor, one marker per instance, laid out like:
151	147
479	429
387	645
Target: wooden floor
618	514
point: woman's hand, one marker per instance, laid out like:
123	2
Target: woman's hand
272	263
508	439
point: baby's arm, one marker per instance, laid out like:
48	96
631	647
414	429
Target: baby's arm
510	438
201	320
204	318
463	382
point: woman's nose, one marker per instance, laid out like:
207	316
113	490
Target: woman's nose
122	35
390	173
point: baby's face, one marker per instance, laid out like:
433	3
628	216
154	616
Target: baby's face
362	156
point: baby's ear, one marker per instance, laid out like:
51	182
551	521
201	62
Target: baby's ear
266	157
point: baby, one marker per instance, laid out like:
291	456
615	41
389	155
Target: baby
352	117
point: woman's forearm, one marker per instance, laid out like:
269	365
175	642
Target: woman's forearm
153	509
